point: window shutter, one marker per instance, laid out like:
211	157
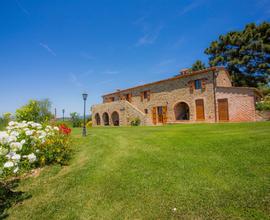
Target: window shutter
141	96
203	84
191	86
148	95
129	97
164	114
154	115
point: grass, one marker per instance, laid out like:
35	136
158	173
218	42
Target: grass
205	171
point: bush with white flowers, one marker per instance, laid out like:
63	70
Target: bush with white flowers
26	145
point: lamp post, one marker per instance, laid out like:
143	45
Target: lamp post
63	111
84	95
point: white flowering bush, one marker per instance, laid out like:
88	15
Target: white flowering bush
25	145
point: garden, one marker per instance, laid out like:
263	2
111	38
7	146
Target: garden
202	171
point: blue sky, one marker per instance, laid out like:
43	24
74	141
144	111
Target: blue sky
58	49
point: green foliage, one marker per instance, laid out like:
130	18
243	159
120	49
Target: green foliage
89	124
75	119
37	111
135	122
263	105
198	65
4	120
246	54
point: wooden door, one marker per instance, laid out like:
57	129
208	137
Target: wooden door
164	114
223	112
199	110
154	115
159	114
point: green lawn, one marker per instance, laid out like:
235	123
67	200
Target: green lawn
205	171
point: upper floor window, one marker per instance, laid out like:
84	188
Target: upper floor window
198	84
145	93
128	97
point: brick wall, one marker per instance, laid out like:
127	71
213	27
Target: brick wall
241	103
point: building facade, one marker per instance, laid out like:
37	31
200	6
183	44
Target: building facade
200	96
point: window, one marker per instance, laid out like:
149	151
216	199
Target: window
198	84
128	97
145	95
146	111
111	99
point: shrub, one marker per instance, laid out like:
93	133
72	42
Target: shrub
27	145
263	105
75	119
135	122
89	124
37	111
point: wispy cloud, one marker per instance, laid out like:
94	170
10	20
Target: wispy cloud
73	78
86	56
46	47
107	81
22	8
193	5
150	31
111	72
166	62
150	36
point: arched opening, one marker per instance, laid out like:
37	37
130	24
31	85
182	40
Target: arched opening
105	118
97	118
115	118
181	111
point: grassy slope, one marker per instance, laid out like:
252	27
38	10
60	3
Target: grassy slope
205	171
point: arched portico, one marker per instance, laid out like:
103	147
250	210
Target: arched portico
115	118
181	111
105	118
97	119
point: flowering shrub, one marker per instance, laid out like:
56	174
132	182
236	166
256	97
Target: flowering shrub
64	129
27	145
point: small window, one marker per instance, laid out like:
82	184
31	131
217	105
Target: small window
145	93
146	111
198	84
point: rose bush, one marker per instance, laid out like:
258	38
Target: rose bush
26	145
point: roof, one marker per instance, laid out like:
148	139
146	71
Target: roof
170	79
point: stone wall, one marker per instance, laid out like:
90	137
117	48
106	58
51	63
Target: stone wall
171	92
125	110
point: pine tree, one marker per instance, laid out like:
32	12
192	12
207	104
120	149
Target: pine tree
246	54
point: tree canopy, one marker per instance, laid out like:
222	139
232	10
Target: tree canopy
198	65
246	54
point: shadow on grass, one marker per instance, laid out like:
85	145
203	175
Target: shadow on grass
9	197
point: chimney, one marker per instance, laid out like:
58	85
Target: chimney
185	71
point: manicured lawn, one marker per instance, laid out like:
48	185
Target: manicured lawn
205	171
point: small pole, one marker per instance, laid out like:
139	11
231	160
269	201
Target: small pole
84	119
55	114
63	114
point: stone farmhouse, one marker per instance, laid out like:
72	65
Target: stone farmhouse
199	96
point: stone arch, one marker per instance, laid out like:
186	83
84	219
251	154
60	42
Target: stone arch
115	118
97	118
181	111
106	119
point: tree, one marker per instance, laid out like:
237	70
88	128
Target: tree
75	119
246	54
198	65
37	111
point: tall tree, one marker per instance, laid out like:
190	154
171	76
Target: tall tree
246	54
198	65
